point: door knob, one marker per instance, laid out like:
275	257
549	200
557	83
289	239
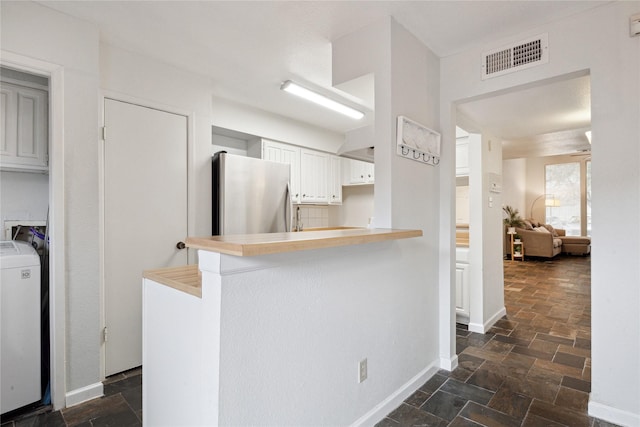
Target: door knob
180	245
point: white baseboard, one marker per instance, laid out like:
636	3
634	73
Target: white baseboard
449	364
613	415
476	327
385	407
481	329
79	395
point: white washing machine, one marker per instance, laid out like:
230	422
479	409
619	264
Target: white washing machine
20	325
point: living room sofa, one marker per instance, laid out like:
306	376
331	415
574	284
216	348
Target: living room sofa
543	240
539	243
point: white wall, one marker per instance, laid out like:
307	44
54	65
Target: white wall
613	60
311	317
37	32
356	208
514	184
23	196
486	284
175	90
379	49
243	118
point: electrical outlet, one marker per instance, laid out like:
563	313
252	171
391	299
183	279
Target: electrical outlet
362	370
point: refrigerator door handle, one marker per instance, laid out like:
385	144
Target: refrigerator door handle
287	210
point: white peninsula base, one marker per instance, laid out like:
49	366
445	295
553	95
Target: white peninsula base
277	339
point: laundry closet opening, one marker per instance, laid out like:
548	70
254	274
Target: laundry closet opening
24	216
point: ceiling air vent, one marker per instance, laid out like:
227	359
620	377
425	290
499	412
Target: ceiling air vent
521	55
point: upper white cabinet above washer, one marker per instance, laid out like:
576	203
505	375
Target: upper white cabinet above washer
23	130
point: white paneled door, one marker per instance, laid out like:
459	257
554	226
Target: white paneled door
145	216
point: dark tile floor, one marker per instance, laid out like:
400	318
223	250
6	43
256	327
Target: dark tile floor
121	406
532	369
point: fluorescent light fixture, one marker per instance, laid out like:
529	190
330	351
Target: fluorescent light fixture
309	95
588	135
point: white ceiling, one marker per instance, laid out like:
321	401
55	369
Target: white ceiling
249	48
548	119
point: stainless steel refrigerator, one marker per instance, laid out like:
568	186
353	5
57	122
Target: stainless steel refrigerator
249	195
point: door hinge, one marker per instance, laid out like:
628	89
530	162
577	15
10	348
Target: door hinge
105	334
104	133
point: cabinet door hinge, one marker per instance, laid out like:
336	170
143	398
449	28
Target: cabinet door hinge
105	334
104	133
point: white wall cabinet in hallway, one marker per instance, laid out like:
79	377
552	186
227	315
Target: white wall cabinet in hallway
145	216
24	137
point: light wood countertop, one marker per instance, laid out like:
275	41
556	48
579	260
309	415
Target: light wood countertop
186	279
273	243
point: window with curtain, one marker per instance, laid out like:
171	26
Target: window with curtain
569	185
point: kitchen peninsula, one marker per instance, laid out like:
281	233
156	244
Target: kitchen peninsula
272	329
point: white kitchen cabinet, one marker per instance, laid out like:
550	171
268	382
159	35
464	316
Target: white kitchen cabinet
358	172
289	154
462	156
314	168
335	180
24	124
462	292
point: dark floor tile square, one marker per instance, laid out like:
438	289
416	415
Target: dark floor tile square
125	384
558	414
112	409
50	419
576	384
572	399
518	364
533	353
444	405
417	399
407	415
461	344
569	360
463	422
512	340
583	343
509	401
545	368
536	421
498	346
467	391
553	338
467	365
487	416
479	340
487	378
133	397
433	383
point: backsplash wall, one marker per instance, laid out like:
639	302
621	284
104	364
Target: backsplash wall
313	216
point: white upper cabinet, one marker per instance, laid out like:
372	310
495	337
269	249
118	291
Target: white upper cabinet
289	154
316	176
314	168
23	128
358	172
335	180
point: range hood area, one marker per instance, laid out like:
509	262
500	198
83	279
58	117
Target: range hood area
358	144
